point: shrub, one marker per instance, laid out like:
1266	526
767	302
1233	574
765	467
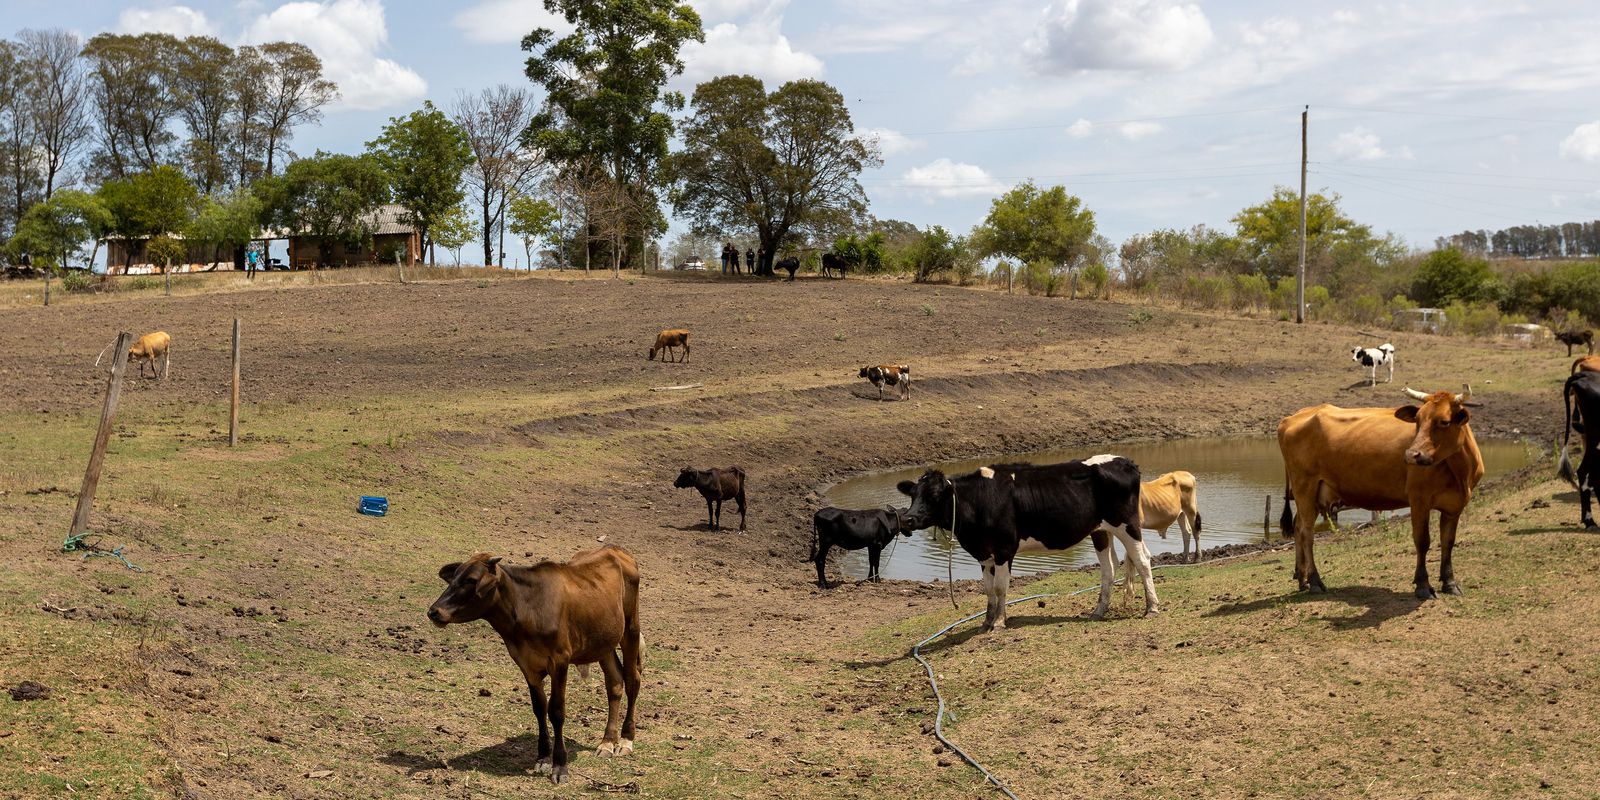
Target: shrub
1447	276
76	280
1042	277
1253	290
1095	279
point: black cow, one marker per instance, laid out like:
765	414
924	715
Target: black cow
832	262
716	485
848	529
790	265
1584	388
993	510
1570	338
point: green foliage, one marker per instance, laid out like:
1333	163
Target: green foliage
927	310
166	250
331	197
1270	231
864	253
1034	225
784	164
454	231
1570	285
1252	290
229	221
1043	277
1095	278
54	231
151	203
79	280
1448	276
935	252
533	220
423	154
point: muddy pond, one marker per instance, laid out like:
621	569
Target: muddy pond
1234	476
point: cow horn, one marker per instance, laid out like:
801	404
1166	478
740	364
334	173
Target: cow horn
1466	393
1416	395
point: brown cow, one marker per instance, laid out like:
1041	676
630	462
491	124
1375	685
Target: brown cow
1570	338
716	485
147	349
892	374
1586	364
668	339
551	616
1421	457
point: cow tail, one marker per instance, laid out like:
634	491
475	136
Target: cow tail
1197	523
1564	471
815	535
1286	521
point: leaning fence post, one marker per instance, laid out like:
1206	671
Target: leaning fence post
1266	516
233	405
97	456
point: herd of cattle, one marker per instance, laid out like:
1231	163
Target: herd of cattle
1421	456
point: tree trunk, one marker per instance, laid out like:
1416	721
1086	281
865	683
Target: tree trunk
400	266
616	257
47	287
166	272
488	230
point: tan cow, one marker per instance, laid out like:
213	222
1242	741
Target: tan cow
1168	499
551	616
668	339
1422	457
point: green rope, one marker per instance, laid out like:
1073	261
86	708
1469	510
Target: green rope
76	543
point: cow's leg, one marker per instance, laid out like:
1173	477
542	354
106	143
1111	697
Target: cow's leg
632	673
873	551
1447	546
711	517
822	563
999	586
1108	572
536	694
740	499
613	673
1134	545
1183	530
1305	522
986	572
1585	488
1420	537
558	718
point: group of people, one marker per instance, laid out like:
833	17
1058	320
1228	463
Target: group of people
756	262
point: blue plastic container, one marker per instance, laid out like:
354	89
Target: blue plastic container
374	506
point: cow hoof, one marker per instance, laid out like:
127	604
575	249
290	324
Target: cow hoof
1589	525
558	775
1097	614
542	766
1152	612
625	747
1452	588
606	749
1425	592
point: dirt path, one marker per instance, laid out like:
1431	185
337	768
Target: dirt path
283	635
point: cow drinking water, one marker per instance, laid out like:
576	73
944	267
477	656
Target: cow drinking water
847	529
994	510
715	485
551	616
1419	457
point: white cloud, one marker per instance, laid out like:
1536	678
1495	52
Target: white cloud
1361	144
1137	35
946	178
721	10
1134	131
497	21
348	36
756	47
891	142
179	21
1080	129
1583	144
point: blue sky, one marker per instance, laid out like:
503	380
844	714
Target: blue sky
1427	116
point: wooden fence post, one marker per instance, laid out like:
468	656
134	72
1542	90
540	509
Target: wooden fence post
97	456
233	406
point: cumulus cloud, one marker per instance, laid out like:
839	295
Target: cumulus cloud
348	36
1583	144
1361	144
946	178
181	21
1134	131
756	47
1080	129
890	142
1135	35
497	21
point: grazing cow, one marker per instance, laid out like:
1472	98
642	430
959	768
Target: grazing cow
891	374
834	263
716	485
993	510
551	616
1422	457
150	347
1570	338
1372	358
1168	499
667	340
847	529
790	265
1581	398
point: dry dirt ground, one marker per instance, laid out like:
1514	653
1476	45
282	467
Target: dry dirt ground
274	644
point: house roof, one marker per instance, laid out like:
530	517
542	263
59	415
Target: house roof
388	219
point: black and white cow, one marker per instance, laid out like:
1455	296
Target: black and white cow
850	529
891	374
1372	358
1583	391
993	511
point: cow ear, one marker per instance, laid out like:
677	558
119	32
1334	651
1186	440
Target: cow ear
447	573
906	487
1407	414
1461	416
493	561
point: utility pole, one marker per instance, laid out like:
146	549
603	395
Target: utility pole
1300	286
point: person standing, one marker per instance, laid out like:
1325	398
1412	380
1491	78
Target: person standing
750	261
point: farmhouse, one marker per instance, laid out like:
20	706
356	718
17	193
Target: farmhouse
390	232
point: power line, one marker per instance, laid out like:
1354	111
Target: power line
1447	182
1065	125
1590	181
1431	202
1409	112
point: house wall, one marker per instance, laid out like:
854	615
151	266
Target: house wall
127	257
305	254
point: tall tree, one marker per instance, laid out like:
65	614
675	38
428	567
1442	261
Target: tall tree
59	99
294	94
149	204
495	122
333	198
18	136
774	164
54	231
532	220
1271	233
134	101
201	75
1032	225
605	86
424	155
247	118
227	222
